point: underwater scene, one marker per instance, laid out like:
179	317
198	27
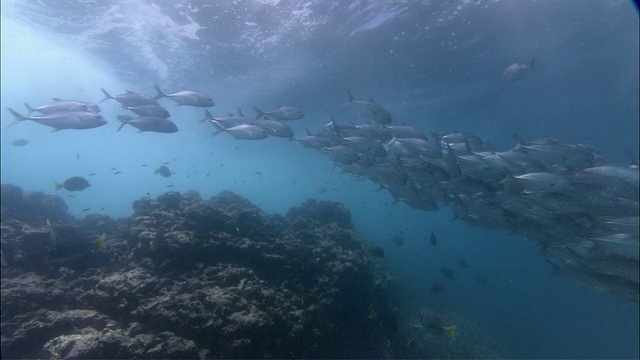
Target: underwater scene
319	179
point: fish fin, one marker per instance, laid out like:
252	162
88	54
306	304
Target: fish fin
240	113
260	113
56	99
29	108
55	130
57	186
19	117
308	132
451	331
130	91
160	93
107	96
350	100
207	116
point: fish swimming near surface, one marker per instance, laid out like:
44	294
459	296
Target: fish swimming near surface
432	322
186	97
274	128
129	98
244	131
281	113
517	71
149	123
372	110
163	170
59	105
149	110
76	183
78	120
19	142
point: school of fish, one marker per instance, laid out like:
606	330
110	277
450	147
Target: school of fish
582	210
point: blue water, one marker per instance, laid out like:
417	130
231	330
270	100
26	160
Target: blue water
436	66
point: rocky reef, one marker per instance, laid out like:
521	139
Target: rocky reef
185	277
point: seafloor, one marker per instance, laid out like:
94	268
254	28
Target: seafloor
185	277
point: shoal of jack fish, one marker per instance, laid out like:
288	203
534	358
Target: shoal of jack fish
582	210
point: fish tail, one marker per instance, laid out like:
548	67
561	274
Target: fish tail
219	128
17	115
207	116
260	113
350	96
160	93
29	108
57	186
451	331
107	96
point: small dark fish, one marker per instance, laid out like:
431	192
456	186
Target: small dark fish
114	168
433	240
77	156
482	280
448	273
86	209
462	263
19	142
398	240
293	184
163	171
101	209
437	288
169	185
117	172
207	174
76	183
71	196
376	251
147	194
166	163
92	174
145	165
259	173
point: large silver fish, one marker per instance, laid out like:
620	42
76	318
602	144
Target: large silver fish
187	97
281	113
129	98
149	123
372	110
59	105
78	120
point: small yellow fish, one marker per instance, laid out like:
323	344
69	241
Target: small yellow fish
451	330
100	241
372	312
48	222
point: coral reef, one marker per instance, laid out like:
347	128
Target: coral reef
190	278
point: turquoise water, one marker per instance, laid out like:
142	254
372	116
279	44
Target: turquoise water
442	75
